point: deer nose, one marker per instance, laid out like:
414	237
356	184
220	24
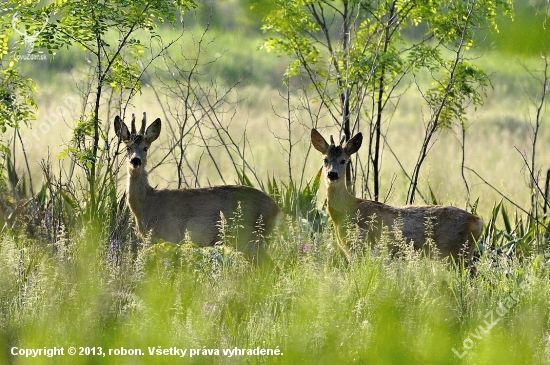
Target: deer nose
136	161
332	175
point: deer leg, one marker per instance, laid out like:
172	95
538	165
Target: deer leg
340	232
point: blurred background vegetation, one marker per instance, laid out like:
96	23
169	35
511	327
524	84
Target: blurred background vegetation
511	56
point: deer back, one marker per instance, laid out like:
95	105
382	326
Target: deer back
170	214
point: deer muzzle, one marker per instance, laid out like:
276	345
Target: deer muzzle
332	175
136	162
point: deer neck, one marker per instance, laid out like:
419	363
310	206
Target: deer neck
339	199
138	188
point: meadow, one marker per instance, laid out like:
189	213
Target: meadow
113	298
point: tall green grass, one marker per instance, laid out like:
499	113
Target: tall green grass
310	305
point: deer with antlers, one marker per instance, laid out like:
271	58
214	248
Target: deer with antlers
171	214
453	230
29	40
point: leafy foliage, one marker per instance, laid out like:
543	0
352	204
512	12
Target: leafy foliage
520	237
357	55
108	31
299	203
17	103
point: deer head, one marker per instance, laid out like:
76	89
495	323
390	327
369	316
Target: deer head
335	158
137	144
28	39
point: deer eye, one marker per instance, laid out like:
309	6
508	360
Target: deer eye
145	149
343	162
325	161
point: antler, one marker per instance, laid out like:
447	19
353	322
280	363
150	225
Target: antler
133	131
13	19
342	140
331	140
142	130
36	33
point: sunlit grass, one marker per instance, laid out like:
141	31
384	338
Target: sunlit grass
310	306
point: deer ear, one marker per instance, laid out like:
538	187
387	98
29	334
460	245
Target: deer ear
153	131
318	142
121	130
353	144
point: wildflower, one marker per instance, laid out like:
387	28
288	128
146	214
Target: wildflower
207	308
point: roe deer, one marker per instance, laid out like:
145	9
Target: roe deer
170	214
453	230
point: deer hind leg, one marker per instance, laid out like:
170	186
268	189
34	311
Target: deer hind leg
254	247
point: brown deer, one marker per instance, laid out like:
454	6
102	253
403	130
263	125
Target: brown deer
453	230
171	214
